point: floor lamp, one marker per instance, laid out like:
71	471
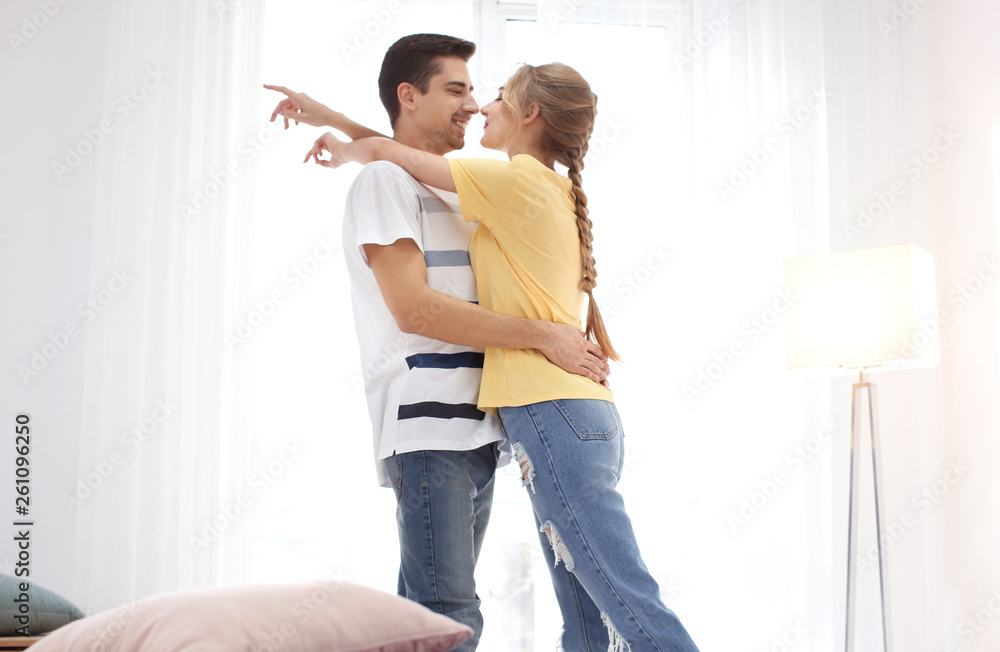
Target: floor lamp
858	312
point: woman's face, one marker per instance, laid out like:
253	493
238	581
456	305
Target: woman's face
499	124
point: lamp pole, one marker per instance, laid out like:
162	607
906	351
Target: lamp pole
858	390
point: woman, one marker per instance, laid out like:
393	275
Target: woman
532	256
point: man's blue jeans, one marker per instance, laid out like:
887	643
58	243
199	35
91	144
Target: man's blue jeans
443	503
571	453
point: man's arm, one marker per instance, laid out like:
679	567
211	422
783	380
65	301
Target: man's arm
299	107
401	274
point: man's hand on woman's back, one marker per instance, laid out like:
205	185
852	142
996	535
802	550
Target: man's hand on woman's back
571	351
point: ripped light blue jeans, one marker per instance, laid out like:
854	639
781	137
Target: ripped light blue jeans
571	453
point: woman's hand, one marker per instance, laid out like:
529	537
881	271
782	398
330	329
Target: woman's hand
299	107
328	143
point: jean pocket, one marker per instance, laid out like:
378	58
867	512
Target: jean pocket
394	471
590	418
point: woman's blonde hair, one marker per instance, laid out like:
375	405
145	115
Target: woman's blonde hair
568	109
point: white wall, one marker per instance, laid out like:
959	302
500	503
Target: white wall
53	92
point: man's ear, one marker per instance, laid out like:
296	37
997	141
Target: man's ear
532	114
407	93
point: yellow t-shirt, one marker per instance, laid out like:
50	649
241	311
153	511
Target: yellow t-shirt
526	256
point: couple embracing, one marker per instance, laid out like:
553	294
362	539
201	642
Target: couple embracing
468	281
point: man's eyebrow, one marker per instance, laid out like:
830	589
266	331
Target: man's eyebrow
459	83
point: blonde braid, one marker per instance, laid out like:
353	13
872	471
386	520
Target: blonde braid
568	109
583	223
595	323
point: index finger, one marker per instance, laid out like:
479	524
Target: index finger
280	89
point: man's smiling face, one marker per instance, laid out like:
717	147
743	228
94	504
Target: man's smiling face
443	112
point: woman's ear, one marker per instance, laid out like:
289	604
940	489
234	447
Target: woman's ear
534	110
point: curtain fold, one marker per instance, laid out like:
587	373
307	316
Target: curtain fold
756	88
155	391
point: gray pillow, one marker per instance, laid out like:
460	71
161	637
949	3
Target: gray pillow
46	610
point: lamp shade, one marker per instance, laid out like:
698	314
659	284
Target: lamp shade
868	307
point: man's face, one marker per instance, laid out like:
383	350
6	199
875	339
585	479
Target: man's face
442	113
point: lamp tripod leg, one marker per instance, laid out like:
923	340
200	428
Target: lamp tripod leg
883	580
852	520
858	392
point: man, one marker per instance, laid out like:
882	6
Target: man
421	331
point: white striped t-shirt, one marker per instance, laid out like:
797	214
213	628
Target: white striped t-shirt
422	393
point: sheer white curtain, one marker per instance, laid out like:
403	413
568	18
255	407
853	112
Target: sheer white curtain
166	208
903	149
131	150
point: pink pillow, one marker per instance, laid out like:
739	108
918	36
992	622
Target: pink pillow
320	616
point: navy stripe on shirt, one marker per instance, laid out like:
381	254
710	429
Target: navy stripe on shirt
440	411
445	360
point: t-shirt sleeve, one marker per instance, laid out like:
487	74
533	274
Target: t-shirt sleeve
484	187
383	207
